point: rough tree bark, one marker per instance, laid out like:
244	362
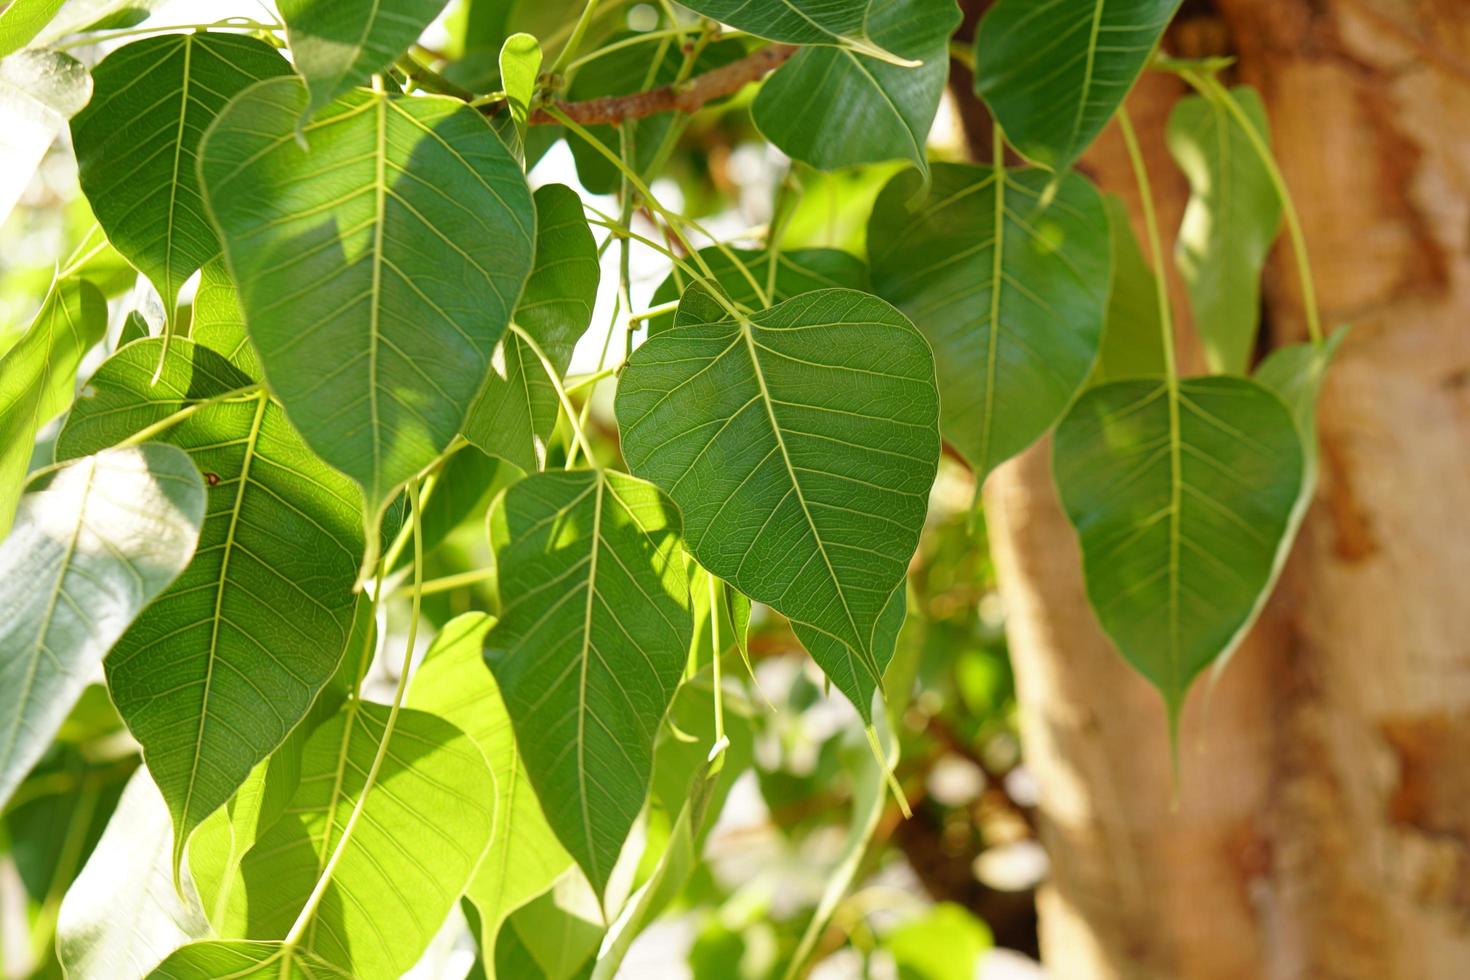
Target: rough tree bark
1323	825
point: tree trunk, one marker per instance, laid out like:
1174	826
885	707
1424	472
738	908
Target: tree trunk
1323	823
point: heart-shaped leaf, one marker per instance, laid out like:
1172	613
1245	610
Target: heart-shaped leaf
374	299
137	145
1181	502
38	377
515	414
423	827
1053	73
338	46
88	551
217	671
1231	219
593	636
831	107
523	858
799	443
963	264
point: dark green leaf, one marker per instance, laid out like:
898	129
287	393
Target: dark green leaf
89	550
830	107
1053	73
802	270
839	22
424	826
517	411
219	669
338	46
800	444
137	145
38	377
1181	505
1231	219
1010	284
1132	341
523	858
374	299
593	636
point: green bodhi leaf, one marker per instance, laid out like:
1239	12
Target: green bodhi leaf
523	858
242	960
593	637
520	64
1182	499
837	22
218	321
964	264
137	145
1231	219
38	377
216	672
338	46
1053	73
1132	341
374	299
800	444
831	107
797	271
517	411
89	550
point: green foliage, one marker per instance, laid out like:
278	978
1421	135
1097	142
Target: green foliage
369	432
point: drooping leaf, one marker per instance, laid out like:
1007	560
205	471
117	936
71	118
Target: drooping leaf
39	92
854	675
216	673
38	376
1053	73
839	22
1231	219
1181	504
122	916
243	960
593	636
800	444
373	299
137	145
946	942
219	323
1132	344
831	107
22	21
88	551
516	412
1010	285
338	46
798	271
523	858
423	828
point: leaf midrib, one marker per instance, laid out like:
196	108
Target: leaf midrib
599	482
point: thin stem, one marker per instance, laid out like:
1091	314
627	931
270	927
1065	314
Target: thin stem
564	56
561	392
78	258
589	379
654	311
247	393
429	79
1151	226
626	42
1210	88
714	634
450	582
298	928
621	231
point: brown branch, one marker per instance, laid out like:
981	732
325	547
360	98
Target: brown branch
686	97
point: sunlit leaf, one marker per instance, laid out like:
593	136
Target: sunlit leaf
1181	505
241	960
338	46
554	936
1009	281
374	299
39	92
831	107
215	674
137	145
219	323
122	916
423	828
520	65
1053	73
946	942
22	21
1231	219
88	551
593	636
523	858
799	443
38	377
515	414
